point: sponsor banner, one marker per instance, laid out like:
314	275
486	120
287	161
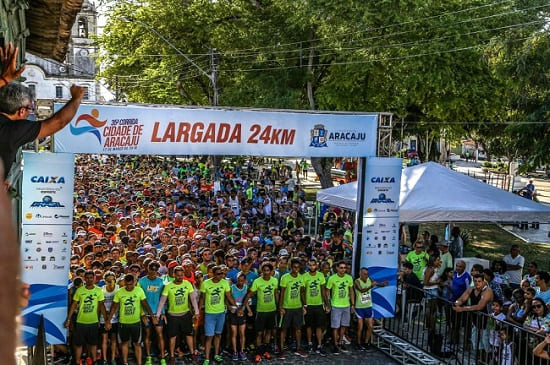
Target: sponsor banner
382	187
45	256
48	184
380	231
157	130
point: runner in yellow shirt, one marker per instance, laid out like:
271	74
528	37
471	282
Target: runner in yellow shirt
129	301
89	299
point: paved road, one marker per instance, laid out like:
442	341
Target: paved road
354	357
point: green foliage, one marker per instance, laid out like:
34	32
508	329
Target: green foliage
449	69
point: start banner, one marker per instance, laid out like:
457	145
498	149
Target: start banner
159	130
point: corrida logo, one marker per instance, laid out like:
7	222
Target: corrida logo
93	126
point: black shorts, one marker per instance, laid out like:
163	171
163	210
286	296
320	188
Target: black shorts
129	332
235	320
179	325
113	330
293	318
265	321
86	334
316	316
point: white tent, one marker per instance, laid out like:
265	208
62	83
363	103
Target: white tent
433	193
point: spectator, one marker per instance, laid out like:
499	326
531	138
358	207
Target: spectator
538	318
515	263
446	257
542	348
532	268
419	259
17	103
495	287
542	278
456	245
480	295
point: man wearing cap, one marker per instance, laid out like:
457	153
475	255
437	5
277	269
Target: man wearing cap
179	318
446	257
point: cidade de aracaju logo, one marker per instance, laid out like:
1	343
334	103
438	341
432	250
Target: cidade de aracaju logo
120	134
93	124
320	136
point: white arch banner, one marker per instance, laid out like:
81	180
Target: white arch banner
159	130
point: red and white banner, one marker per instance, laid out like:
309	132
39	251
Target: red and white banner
159	130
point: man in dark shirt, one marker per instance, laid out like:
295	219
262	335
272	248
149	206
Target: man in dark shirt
16	105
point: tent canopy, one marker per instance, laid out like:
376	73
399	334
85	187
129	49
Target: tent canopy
433	193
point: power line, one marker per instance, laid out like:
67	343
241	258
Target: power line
390	35
338	63
378	28
396	45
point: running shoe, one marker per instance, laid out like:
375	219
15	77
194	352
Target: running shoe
282	355
257	358
235	357
163	361
266	355
346	340
218	358
343	348
335	350
242	356
300	353
148	360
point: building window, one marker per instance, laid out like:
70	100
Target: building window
86	93
59	92
32	87
82	28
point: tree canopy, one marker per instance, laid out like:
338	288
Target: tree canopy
453	68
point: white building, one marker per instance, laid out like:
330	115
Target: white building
51	79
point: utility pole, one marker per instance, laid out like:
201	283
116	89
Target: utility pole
214	62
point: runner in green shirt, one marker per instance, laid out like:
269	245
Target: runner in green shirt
292	306
316	296
179	319
215	293
129	301
89	299
342	295
363	306
265	287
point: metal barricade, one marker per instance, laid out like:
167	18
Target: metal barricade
431	325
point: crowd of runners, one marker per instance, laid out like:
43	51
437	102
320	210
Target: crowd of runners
167	263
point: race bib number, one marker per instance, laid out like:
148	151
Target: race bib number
293	294
365	298
342	293
268	298
179	300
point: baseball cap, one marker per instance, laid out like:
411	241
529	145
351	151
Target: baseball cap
443	243
172	264
283	252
